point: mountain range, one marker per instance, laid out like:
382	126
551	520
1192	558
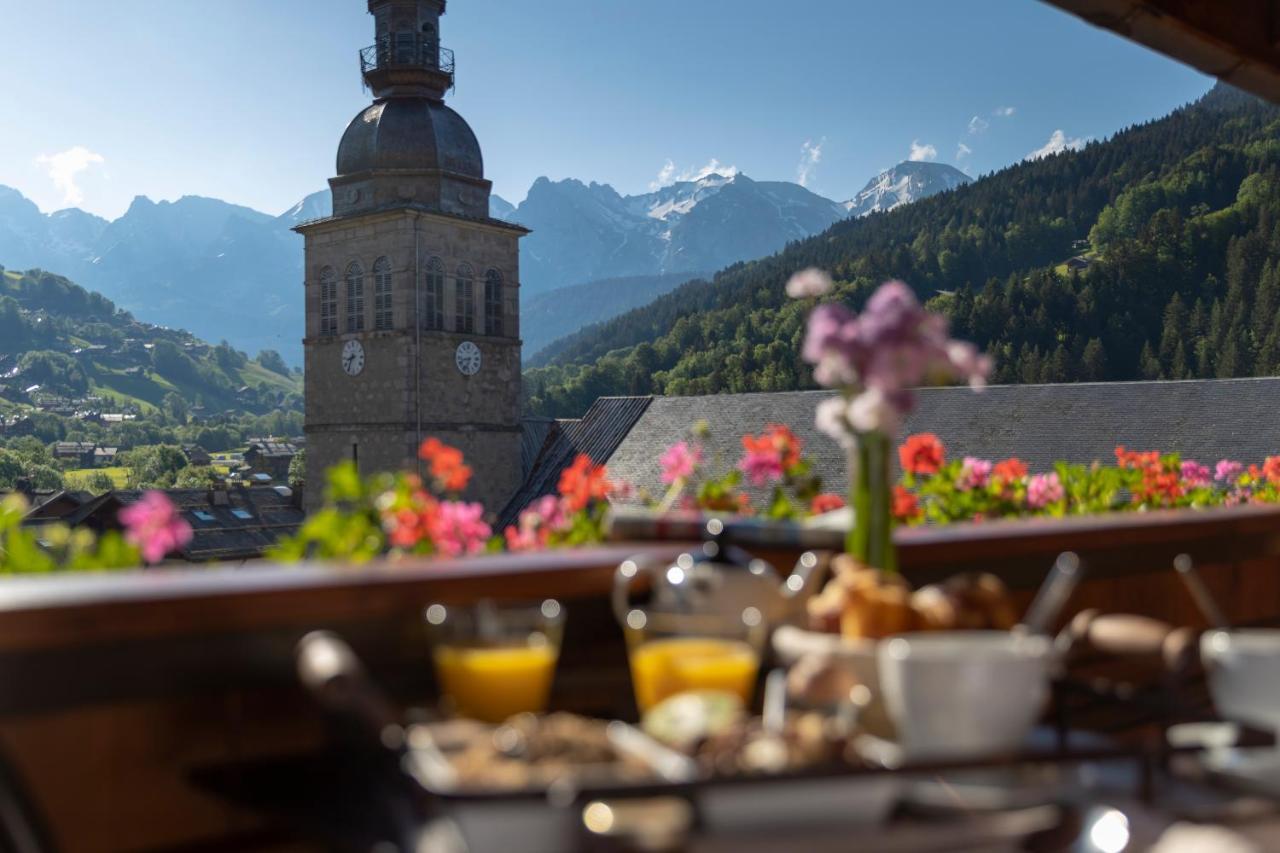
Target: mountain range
1153	254
224	271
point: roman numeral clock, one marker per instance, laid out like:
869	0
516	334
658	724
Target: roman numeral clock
412	288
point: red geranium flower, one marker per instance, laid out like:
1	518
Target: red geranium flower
921	454
1271	470
905	505
584	482
826	502
1009	471
447	467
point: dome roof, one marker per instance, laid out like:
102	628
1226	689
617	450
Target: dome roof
416	134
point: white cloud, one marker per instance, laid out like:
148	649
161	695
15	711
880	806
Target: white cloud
978	125
63	168
1058	142
667	175
810	157
922	152
1003	112
963	151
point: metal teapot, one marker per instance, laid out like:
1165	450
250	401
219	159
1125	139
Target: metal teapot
719	581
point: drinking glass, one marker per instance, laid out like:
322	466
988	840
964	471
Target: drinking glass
672	652
494	661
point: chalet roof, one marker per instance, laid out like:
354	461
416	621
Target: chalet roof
1206	420
273	448
76	447
596	434
233	524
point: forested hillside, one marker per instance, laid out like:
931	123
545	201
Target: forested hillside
66	349
1180	278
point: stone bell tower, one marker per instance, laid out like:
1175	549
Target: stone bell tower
412	289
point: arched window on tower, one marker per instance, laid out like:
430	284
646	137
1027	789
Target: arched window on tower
493	303
382	307
464	295
355	297
328	302
431	311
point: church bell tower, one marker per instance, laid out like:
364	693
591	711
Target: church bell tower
412	289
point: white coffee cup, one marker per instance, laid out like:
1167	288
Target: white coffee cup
964	694
1243	669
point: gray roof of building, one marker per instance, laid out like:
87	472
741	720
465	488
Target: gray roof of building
597	434
271	516
1204	420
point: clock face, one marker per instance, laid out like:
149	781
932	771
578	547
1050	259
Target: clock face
467	358
353	358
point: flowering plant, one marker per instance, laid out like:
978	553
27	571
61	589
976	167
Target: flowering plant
772	461
401	514
875	359
934	489
152	529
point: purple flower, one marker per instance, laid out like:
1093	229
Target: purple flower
891	348
1044	489
1194	474
1226	471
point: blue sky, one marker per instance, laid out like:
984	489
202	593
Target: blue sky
245	100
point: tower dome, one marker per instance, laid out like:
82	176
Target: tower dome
410	134
408	148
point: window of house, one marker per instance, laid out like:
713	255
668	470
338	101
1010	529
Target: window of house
465	301
493	303
382	310
355	297
431	311
242	514
328	302
201	515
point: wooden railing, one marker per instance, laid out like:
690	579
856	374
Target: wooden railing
114	688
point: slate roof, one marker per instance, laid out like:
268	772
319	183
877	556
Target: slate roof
270	448
1205	420
533	435
596	434
270	514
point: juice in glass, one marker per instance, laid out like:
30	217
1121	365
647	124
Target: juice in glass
493	683
665	667
495	661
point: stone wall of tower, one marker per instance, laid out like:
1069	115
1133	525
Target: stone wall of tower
378	411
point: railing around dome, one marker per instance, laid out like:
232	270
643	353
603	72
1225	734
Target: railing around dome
407	50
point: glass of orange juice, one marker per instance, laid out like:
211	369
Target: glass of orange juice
494	661
672	653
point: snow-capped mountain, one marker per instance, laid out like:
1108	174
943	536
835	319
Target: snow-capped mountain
906	182
587	232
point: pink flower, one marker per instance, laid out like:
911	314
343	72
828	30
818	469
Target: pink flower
1226	471
459	528
154	525
1044	489
678	461
810	282
974	473
761	465
1194	474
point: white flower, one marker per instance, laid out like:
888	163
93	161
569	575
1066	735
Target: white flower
810	282
872	411
829	418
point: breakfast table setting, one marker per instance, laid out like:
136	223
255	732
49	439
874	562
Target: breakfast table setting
826	707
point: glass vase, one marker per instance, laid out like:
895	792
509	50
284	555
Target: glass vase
870	539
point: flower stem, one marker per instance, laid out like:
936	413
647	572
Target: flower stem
870	539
